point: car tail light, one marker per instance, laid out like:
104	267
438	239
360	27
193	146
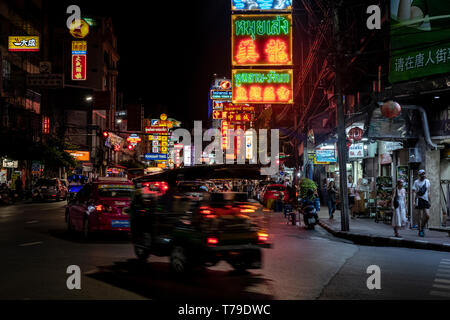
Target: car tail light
263	236
212	241
247	210
207	212
103	208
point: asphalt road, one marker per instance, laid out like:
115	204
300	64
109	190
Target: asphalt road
36	251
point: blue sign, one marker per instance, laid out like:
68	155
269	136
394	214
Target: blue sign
326	155
261	4
221	95
155	156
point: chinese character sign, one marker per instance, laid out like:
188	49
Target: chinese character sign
263	86
78	67
419	47
23	43
261	5
79	47
261	40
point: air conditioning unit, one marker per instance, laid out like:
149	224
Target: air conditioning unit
414	155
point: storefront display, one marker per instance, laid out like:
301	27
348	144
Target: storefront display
383	200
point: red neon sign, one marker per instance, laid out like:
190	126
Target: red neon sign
78	67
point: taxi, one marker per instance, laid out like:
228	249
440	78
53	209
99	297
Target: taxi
101	206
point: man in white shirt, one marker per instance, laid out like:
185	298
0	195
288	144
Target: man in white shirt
422	201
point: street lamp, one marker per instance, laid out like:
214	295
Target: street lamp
88	98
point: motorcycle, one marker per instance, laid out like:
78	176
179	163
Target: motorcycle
310	217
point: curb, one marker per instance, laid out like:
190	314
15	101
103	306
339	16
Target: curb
379	241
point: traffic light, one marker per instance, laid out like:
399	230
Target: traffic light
105	134
130	147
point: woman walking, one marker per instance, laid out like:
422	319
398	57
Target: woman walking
399	208
331	192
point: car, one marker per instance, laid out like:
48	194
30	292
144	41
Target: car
194	190
274	191
101	206
52	188
195	233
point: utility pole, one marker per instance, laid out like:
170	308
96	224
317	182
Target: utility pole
342	147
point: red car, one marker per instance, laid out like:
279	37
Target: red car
101	206
274	191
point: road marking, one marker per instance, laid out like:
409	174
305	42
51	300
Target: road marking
440	293
444	266
441	280
441	286
446	259
442	275
32	221
30	244
421	241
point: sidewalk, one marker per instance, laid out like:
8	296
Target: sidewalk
367	232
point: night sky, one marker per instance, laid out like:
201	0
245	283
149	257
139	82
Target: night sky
169	51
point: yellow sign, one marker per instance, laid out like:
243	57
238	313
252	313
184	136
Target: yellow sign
79	155
162	165
23	43
79	30
163	116
79	47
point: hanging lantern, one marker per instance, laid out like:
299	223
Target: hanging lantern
391	109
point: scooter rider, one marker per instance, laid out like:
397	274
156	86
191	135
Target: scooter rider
308	207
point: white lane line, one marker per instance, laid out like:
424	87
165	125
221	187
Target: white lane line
440	293
441	286
445	262
444	266
446	259
441	280
30	244
443	275
32	221
421	241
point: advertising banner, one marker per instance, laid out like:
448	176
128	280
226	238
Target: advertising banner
261	40
356	150
155	156
262	86
420	45
326	155
23	43
79	67
272	5
79	155
221	95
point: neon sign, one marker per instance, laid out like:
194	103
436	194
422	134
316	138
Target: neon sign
78	67
261	5
263	86
261	40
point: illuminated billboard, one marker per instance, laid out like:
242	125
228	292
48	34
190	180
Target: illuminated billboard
261	40
79	47
23	43
271	5
262	86
220	94
79	67
420	43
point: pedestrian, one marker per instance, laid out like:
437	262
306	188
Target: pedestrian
399	208
422	200
351	195
331	192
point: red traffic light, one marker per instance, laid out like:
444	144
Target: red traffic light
105	134
130	147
